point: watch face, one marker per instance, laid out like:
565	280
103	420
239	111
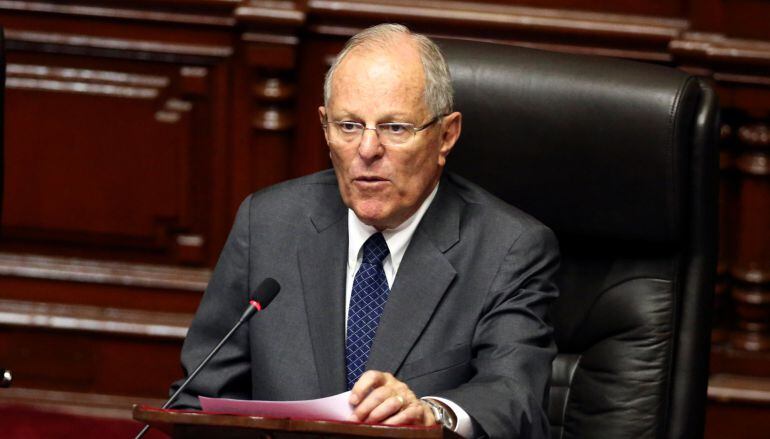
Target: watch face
441	415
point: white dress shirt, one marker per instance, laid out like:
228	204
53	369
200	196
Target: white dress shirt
398	240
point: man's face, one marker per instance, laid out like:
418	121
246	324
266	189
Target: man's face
385	185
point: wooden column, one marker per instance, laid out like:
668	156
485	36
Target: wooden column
751	271
723	308
264	94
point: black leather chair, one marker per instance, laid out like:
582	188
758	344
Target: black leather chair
619	159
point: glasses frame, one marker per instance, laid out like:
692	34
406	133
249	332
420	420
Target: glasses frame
409	126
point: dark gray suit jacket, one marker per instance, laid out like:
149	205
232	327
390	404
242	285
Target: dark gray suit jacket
465	318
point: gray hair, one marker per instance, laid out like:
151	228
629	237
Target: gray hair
438	92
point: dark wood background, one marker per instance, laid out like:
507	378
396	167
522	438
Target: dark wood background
134	128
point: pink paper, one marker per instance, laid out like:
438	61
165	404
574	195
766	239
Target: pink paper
332	408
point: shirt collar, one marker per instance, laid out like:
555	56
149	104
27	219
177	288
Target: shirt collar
397	238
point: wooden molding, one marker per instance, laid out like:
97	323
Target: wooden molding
755	135
118	273
86	81
60	317
486	16
738	388
104	46
194	80
124	13
273	89
716	48
75	403
79	87
86	75
256	37
273	119
285	14
754	163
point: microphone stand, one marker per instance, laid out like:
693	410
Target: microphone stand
254	306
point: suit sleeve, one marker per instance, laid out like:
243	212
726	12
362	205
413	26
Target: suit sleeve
227	294
513	345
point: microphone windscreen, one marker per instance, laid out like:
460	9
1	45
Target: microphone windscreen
266	292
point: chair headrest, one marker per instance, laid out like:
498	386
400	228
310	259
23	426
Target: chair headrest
593	147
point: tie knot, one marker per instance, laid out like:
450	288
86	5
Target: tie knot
375	249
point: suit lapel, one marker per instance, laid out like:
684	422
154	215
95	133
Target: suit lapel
322	264
423	277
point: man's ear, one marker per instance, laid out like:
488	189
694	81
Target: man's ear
451	125
322	119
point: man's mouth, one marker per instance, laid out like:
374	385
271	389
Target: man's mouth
370	179
370	182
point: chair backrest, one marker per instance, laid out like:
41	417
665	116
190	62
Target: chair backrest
619	159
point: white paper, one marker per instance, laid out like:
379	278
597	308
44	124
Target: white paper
332	408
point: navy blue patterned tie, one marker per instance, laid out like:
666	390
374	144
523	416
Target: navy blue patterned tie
367	299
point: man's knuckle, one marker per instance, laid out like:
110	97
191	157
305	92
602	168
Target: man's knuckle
381	393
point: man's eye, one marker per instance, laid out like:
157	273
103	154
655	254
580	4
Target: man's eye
395	128
349	127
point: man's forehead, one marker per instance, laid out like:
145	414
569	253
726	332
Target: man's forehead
381	72
380	61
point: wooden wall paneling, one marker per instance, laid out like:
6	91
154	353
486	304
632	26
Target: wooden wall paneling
192	111
272	91
99	362
174	144
741	72
738	407
311	151
728	191
114	205
212	175
747	19
706	15
264	96
149	92
115	23
101	283
90	326
628	36
75	403
78	141
751	270
661	8
81	348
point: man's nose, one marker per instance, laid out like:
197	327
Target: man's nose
370	147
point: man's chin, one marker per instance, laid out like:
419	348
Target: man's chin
377	222
374	216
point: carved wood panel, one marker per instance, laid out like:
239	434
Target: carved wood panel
114	141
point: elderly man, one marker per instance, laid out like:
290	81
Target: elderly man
422	293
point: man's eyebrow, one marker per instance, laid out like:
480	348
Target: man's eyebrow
399	117
395	117
344	114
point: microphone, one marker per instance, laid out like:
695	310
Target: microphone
266	292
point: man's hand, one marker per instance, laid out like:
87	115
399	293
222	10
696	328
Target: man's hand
378	397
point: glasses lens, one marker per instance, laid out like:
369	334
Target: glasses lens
348	131
395	133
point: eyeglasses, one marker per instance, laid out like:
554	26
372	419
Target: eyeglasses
389	133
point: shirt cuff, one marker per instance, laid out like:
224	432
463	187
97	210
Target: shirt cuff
464	425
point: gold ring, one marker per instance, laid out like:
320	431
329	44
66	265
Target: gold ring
400	400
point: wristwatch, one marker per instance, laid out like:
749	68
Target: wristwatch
442	414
